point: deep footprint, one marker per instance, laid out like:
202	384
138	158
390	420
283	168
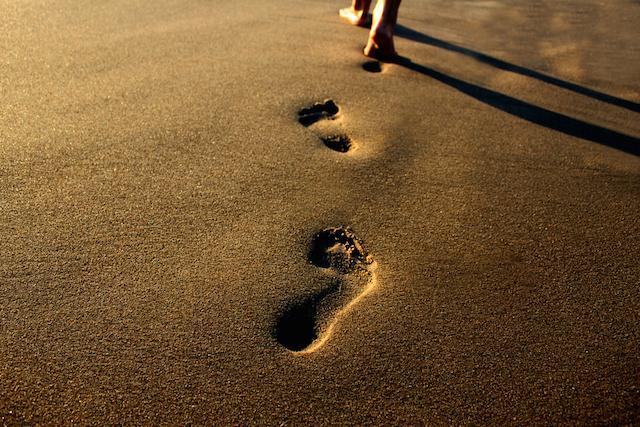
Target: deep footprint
305	325
372	66
317	112
296	327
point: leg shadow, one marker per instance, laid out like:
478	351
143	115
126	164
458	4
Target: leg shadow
532	113
409	34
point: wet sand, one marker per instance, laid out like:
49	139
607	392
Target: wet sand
181	244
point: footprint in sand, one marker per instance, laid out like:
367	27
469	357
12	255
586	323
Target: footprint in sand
372	66
306	325
326	111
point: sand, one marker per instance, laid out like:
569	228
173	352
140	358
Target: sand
160	200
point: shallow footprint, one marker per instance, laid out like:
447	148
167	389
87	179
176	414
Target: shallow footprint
329	133
340	143
305	326
318	111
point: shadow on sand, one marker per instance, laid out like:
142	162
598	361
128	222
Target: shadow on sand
532	113
409	34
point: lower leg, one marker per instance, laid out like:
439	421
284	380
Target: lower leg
362	5
358	13
385	16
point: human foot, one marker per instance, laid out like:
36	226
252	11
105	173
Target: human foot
380	45
357	14
352	16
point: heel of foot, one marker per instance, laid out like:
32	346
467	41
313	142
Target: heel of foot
380	46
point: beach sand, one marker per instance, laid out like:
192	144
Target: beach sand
163	209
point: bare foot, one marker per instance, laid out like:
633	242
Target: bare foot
380	45
356	17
